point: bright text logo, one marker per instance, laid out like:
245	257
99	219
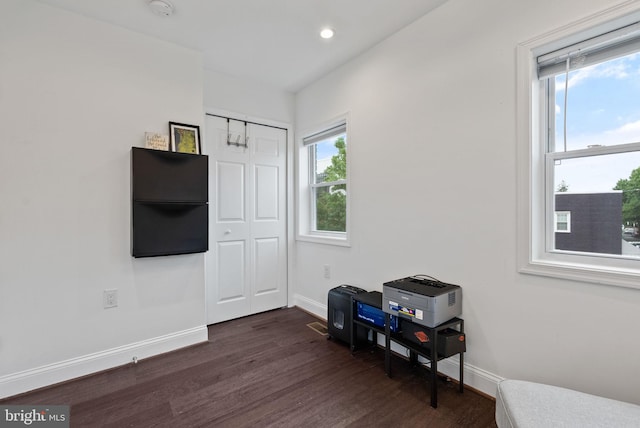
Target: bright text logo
34	416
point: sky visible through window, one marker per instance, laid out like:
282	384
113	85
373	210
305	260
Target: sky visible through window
603	109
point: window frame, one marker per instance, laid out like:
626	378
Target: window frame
556	222
550	159
534	199
306	209
313	188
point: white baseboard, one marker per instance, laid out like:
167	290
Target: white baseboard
27	380
39	377
474	377
317	309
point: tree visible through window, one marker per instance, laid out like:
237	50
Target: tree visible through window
630	200
331	200
327	152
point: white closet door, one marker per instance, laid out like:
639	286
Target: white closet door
247	259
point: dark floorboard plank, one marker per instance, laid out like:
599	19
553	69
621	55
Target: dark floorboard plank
277	398
266	370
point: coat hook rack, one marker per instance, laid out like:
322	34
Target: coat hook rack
237	142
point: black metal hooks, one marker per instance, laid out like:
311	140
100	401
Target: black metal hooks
237	142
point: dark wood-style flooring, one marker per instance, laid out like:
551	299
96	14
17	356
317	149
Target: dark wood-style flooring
266	370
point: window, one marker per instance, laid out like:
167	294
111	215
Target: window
324	194
580	151
563	221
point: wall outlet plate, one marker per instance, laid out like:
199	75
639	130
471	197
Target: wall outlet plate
110	298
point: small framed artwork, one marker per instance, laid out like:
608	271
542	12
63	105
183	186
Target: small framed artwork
184	138
156	141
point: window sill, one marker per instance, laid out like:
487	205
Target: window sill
341	241
596	274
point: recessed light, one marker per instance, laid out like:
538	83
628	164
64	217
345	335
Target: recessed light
327	33
161	7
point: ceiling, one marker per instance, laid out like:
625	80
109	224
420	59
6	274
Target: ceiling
273	41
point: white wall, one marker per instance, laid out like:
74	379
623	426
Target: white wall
75	96
432	147
247	98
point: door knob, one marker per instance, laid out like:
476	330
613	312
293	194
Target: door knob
228	231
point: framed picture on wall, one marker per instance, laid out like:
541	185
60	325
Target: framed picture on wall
184	138
156	141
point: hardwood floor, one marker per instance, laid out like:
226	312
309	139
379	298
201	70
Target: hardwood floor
269	369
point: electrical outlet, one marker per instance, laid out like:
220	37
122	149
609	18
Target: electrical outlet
327	272
110	298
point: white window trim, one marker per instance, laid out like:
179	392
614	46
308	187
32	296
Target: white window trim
532	255
304	206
